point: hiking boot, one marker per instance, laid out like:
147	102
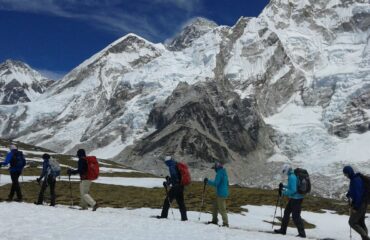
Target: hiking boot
18	199
95	207
212	222
225	225
279	231
301	233
37	203
52	205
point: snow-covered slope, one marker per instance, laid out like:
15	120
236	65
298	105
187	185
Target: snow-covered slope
20	83
104	103
304	64
44	223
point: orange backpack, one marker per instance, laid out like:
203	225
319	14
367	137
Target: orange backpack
185	173
92	168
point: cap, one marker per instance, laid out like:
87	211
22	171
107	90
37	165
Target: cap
81	153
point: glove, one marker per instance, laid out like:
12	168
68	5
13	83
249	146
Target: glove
38	180
168	178
69	172
205	181
281	186
165	184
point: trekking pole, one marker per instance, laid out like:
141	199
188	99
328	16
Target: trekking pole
203	195
277	202
169	202
70	189
350	212
281	203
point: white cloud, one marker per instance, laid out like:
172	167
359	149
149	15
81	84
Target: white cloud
188	5
53	75
105	14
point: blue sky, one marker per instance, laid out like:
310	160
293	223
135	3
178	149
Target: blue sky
54	36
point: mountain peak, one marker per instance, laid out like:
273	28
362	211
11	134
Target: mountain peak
201	22
194	29
10	63
20	83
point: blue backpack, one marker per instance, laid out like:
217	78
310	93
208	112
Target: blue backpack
54	168
18	161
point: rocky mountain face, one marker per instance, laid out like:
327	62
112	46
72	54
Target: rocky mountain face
201	124
291	85
19	83
194	30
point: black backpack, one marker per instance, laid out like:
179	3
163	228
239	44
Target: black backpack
366	180
18	160
303	181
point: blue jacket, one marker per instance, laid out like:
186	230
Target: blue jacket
174	172
82	168
221	183
290	190
8	158
45	166
356	190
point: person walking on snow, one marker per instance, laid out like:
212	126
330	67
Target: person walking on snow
17	162
176	191
294	205
221	183
50	181
356	193
85	184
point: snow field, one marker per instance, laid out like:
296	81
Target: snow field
121	181
61	222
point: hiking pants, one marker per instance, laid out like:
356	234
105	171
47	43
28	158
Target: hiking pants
51	182
86	199
293	207
176	192
219	206
357	221
16	188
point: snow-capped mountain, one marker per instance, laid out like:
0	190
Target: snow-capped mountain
192	31
295	81
20	83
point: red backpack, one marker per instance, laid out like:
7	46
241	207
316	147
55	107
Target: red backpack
184	172
92	168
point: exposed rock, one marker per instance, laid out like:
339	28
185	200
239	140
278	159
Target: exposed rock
19	83
202	124
192	31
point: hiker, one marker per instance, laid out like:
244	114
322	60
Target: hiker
85	184
356	194
17	162
50	176
176	191
221	183
294	205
